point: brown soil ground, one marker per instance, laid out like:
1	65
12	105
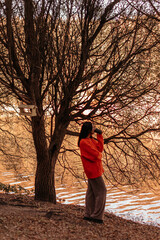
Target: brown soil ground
23	218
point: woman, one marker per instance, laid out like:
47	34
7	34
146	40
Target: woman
91	155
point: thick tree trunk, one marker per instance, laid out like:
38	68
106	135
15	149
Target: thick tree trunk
44	182
44	179
46	158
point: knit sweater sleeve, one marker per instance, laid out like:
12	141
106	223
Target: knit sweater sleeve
100	144
89	150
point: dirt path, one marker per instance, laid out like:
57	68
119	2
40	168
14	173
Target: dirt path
23	218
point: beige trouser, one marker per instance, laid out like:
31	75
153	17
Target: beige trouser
95	198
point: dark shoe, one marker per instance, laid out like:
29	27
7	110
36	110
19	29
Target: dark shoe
97	220
87	218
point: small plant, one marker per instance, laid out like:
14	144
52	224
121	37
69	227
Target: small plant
15	188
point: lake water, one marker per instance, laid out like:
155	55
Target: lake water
141	206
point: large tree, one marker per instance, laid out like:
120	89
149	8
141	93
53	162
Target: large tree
77	60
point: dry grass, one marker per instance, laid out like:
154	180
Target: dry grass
23	218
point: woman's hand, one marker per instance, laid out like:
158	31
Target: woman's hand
96	130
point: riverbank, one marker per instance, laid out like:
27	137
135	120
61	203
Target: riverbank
22	218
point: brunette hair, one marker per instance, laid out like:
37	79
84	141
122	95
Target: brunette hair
85	130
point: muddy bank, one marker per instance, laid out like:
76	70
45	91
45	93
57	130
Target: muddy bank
23	218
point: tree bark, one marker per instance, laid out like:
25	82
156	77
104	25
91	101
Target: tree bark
44	181
46	158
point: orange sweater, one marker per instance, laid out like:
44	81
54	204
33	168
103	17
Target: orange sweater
91	155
